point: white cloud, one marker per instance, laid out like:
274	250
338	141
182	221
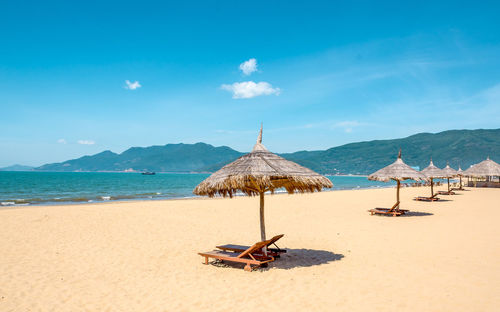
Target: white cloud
250	89
86	142
132	85
249	66
61	141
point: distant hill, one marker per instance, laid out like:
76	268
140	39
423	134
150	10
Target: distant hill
459	147
17	168
166	158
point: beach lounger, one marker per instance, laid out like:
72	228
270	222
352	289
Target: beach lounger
385	211
427	199
394	211
275	252
445	193
251	256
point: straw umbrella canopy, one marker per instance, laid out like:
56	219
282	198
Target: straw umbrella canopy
258	172
486	168
450	173
433	172
397	171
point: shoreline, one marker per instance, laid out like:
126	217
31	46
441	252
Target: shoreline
159	199
140	199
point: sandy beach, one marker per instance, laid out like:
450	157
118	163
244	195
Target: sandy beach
142	256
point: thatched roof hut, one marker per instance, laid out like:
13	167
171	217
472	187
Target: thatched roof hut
449	172
486	168
433	172
258	172
397	171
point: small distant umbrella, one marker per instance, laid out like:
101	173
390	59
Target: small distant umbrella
486	168
450	173
433	172
397	171
258	172
460	173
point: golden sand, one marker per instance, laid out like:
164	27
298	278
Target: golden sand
142	256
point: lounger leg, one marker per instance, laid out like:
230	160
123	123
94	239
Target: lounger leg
248	268
206	260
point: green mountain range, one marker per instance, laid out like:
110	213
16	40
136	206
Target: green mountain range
166	158
17	168
458	147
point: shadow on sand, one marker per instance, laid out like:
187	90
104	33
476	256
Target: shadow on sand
293	258
435	201
407	214
416	214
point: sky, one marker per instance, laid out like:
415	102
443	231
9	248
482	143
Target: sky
78	78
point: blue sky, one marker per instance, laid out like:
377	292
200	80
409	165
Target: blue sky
317	74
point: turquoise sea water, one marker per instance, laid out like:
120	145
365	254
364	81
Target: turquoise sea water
35	188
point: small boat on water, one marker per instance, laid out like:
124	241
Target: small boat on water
149	173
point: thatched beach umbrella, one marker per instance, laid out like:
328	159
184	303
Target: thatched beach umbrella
397	171
450	173
486	168
258	172
433	172
460	174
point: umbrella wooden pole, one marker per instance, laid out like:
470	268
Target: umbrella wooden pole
448	185
397	195
262	225
432	188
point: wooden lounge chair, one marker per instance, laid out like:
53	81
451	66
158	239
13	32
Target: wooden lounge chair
445	193
274	252
394	211
250	256
427	199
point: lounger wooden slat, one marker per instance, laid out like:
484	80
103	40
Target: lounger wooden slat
446	193
275	252
427	199
388	209
394	210
249	256
385	211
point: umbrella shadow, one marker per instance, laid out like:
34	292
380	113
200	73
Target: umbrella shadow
408	214
416	214
293	258
299	258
